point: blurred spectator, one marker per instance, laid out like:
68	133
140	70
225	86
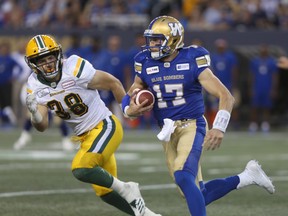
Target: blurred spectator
11	14
119	7
33	13
225	66
282	15
164	7
197	42
75	47
73	13
53	14
213	14
196	20
136	47
196	14
21	74
139	42
242	20
188	6
259	17
114	63
7	65
93	11
138	6
264	83
94	52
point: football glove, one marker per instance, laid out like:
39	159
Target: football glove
31	103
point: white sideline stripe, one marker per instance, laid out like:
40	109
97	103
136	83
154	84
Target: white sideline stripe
81	190
43	192
40	155
77	190
133	154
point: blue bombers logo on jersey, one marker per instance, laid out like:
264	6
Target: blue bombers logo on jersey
180	67
152	70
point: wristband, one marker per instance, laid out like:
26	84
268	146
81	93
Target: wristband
221	120
36	117
125	109
125	104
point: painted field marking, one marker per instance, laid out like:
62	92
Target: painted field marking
82	190
76	190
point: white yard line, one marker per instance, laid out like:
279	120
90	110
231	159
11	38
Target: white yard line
81	190
76	190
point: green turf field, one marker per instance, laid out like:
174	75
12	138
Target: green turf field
37	181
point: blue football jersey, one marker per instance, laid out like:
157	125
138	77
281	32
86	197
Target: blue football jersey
175	84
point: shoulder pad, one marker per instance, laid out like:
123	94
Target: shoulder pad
198	50
141	56
72	59
139	59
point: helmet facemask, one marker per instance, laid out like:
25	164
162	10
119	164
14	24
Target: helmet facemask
39	67
163	49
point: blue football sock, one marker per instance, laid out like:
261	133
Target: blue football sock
194	198
218	188
27	125
64	129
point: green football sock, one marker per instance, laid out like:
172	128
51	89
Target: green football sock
96	175
100	177
114	199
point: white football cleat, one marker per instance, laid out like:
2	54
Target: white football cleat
148	212
133	196
67	145
253	174
23	140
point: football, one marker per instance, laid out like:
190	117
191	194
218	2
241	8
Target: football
144	94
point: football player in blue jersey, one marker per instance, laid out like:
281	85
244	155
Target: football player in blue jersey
176	75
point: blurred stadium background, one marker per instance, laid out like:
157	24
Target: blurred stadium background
81	24
38	179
